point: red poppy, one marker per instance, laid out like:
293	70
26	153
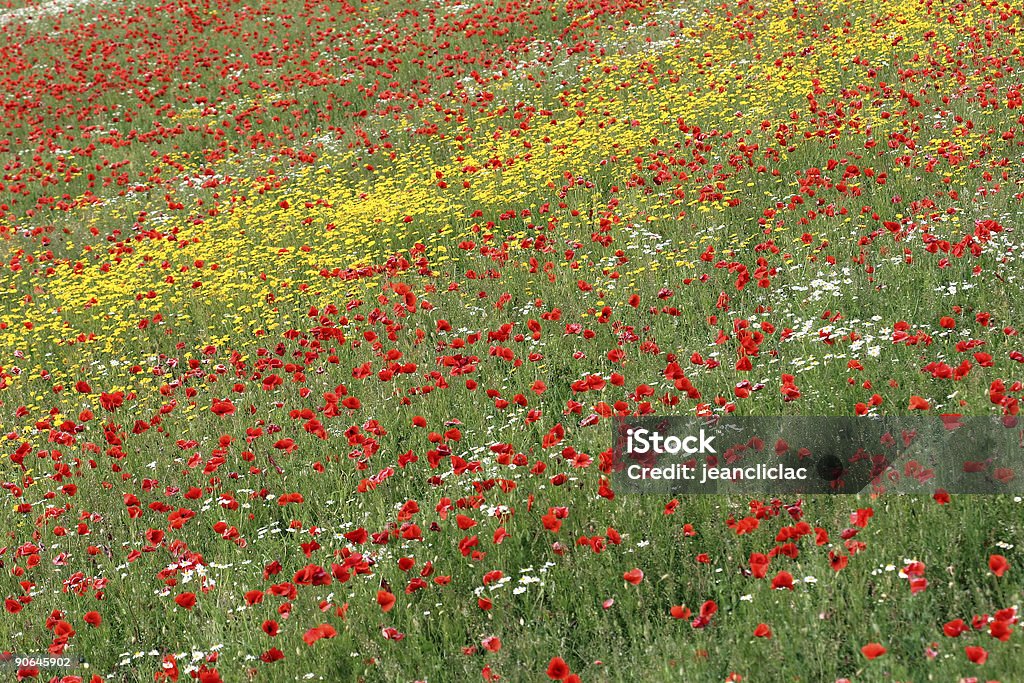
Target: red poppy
758	565
1000	629
386	600
955	628
918	403
633	576
186	600
976	654
680	612
873	650
319	632
782	580
998	564
703	618
222	407
558	670
112	400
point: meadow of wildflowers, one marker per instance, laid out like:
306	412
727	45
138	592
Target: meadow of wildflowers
315	316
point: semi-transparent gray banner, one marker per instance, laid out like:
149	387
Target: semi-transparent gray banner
806	454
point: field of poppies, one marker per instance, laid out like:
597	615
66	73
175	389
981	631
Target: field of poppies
316	316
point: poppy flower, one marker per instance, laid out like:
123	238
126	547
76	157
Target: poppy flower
998	565
782	580
918	403
634	576
1000	629
557	670
703	618
222	407
679	612
186	600
873	650
955	628
386	600
319	632
206	675
976	654
758	565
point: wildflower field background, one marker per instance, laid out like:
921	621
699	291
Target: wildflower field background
315	316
